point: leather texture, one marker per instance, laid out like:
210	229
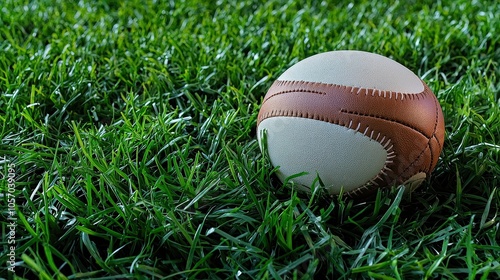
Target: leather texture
291	139
410	126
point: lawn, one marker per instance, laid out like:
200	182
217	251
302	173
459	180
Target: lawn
128	142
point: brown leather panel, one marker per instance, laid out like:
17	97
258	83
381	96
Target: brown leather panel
411	126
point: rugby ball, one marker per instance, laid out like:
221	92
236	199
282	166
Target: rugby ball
351	121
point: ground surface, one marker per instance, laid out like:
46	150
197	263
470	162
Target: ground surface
128	144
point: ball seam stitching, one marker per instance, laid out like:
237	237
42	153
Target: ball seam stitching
399	96
383	118
427	146
352	89
385	142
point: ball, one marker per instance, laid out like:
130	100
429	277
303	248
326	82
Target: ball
352	121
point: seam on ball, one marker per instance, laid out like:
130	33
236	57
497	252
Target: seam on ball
387	145
383	140
383	118
386	173
428	146
294	90
373	92
437	140
436	105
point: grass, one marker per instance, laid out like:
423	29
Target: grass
131	125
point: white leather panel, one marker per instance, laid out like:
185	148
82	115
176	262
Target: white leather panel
341	156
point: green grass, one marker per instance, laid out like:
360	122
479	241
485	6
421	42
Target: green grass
131	125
